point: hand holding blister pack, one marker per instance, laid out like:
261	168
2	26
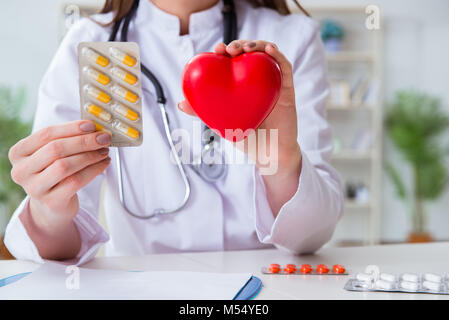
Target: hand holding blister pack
374	280
110	89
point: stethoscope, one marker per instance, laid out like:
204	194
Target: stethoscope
208	170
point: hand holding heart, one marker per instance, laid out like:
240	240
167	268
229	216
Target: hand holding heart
283	116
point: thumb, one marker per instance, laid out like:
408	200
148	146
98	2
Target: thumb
185	107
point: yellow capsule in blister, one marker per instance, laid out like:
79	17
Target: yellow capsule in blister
123	57
98	112
125	111
124	75
97	76
95	57
125	129
99	127
97	94
124	93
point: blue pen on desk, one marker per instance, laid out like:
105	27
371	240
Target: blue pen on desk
11	279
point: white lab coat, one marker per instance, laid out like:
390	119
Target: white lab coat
230	214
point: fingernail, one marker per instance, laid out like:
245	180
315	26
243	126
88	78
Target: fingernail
251	44
104	138
103	151
87	126
236	45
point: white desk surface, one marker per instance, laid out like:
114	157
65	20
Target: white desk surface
416	258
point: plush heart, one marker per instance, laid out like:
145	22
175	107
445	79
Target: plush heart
232	93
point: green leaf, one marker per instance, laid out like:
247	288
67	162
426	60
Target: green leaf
415	123
394	175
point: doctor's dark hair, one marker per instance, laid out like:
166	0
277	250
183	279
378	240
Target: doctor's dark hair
120	8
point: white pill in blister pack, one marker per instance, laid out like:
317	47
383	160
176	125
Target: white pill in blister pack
411	277
374	280
409	285
434	286
387	277
384	284
432	277
364	277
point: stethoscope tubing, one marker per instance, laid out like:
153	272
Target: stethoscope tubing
230	26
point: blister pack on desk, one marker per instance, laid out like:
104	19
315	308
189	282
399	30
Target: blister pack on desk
110	89
374	280
304	269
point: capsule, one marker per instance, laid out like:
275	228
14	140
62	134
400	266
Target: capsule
124	93
409	285
95	57
306	268
97	94
430	285
387	277
125	129
97	76
125	112
290	268
98	127
123	75
274	268
383	284
100	113
322	268
122	57
365	277
338	268
433	277
411	277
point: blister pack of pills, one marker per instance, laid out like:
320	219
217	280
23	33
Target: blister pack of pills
307	269
374	280
110	89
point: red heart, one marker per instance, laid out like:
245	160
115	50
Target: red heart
232	93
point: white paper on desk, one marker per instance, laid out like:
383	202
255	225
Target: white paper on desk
49	282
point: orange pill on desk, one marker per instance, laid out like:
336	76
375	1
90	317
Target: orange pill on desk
322	268
306	268
290	268
274	268
338	268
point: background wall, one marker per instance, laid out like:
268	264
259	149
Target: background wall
416	55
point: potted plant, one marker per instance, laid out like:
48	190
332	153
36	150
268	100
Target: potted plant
331	33
12	129
415	122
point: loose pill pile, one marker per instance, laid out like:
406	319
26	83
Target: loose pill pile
307	269
374	280
110	89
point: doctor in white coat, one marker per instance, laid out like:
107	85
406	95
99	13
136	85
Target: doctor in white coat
64	162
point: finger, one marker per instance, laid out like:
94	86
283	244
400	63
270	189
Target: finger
235	47
220	48
35	141
72	184
65	147
284	64
251	46
65	167
185	107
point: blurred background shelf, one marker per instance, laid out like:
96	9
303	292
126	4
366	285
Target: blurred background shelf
353	155
355	113
350	56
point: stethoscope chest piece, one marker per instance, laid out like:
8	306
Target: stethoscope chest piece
211	165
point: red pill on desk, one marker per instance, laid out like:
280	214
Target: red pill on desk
322	268
274	268
290	268
338	268
306	268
